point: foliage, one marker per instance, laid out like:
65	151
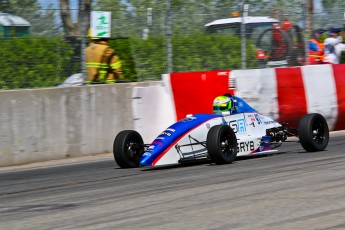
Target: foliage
209	52
150	57
123	50
197	52
25	67
52	60
40	62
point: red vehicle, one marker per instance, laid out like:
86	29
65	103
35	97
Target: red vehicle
278	44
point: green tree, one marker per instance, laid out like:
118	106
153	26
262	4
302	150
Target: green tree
23	66
79	27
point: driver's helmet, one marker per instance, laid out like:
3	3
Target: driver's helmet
222	104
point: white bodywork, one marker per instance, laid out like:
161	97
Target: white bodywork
248	127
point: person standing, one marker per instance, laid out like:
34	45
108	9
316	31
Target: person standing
102	63
316	48
333	47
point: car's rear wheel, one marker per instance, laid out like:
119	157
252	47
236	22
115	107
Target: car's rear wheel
128	148
313	132
221	144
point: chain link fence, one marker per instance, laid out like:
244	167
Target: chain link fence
201	37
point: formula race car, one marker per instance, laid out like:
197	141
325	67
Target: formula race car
219	138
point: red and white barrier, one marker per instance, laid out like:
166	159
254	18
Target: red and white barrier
296	91
193	92
285	94
156	108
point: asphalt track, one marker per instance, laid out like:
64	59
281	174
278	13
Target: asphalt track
289	190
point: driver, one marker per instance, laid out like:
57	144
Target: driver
223	104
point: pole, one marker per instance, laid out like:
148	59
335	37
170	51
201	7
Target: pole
168	35
146	31
243	35
308	8
83	31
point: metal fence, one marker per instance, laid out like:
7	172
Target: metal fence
159	40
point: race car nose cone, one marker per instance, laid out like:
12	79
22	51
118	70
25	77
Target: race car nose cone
145	159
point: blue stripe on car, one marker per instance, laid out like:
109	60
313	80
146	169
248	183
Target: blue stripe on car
170	135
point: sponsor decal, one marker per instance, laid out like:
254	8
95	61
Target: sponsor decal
160	138
189	119
208	126
257	117
166	134
252	119
269	122
171	130
222	73
151	147
241	125
157	143
233	125
246	146
240	104
146	154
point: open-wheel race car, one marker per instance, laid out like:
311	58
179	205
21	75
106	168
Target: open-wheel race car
219	138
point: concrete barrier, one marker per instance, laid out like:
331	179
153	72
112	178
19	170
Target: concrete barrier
55	123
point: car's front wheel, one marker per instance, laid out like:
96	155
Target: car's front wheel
128	148
221	144
313	132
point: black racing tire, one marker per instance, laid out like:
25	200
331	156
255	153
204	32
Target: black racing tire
313	132
128	148
221	144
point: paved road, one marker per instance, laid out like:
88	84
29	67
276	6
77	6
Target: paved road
290	190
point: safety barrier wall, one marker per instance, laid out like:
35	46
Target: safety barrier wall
285	94
55	123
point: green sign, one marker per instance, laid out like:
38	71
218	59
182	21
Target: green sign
100	24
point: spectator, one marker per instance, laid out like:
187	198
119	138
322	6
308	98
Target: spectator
333	47
316	48
102	63
340	48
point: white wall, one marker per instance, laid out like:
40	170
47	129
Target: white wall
153	109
